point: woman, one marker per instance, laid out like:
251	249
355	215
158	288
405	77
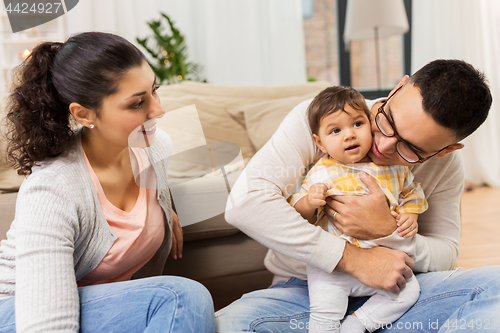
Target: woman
83	226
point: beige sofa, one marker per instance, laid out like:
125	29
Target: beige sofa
225	260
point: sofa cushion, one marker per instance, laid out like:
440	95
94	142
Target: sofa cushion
7	209
227	266
10	181
192	156
211	228
219	111
202	260
241	95
263	118
216	123
200	204
269	93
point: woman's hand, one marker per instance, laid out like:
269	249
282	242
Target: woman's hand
177	239
362	217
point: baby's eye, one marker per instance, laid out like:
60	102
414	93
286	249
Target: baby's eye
358	124
336	131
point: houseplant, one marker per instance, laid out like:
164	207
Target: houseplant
168	53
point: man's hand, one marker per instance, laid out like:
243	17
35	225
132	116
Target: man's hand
378	267
177	238
362	217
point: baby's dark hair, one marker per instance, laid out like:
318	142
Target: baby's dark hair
331	100
85	69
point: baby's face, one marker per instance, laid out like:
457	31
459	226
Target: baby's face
345	136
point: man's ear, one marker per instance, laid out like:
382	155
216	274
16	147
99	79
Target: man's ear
317	141
83	115
449	149
400	84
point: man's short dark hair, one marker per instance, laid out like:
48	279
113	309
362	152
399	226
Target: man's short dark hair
331	100
455	94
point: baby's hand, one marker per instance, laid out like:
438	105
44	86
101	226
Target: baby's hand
317	194
407	224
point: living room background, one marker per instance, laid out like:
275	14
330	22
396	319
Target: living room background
270	42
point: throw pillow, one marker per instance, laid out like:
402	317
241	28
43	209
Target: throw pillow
262	119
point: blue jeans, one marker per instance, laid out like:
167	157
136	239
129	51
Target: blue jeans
453	301
157	304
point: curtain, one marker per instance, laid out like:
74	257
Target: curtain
468	30
244	42
126	18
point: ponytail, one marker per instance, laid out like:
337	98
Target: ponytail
39	125
84	70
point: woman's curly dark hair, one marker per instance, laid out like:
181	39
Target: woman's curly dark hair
84	70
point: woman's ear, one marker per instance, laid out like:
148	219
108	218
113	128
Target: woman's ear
83	115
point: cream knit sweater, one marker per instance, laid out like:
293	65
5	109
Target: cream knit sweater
59	235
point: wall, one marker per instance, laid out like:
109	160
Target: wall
244	42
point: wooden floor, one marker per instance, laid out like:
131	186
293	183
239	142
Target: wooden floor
480	238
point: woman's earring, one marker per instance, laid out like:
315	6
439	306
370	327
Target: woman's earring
91	126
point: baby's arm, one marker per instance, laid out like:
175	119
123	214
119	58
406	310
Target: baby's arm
412	202
407	224
308	204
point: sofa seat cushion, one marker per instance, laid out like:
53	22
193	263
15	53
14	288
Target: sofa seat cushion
227	266
213	227
224	256
10	181
200	204
7	211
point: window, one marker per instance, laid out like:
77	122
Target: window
358	67
328	59
321	39
307	8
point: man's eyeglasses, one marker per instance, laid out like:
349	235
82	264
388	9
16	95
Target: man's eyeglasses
387	128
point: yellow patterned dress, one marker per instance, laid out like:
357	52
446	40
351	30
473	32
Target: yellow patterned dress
396	181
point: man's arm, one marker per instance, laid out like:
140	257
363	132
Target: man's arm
442	180
378	267
257	204
305	210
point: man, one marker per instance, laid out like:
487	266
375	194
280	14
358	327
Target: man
420	125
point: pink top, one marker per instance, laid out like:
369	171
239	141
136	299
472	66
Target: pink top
140	232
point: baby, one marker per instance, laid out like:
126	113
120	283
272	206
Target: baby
340	122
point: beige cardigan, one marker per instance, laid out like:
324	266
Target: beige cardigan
257	205
59	235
